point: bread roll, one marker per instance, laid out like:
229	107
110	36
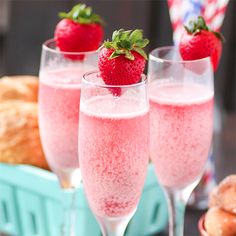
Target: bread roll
30	81
224	195
220	223
19	134
24	88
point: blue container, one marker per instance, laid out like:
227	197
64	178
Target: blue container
31	205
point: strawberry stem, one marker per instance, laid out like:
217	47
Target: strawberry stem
82	14
195	27
124	42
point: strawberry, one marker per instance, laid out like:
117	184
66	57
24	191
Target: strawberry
122	60
80	30
198	41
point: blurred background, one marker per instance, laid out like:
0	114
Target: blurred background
26	24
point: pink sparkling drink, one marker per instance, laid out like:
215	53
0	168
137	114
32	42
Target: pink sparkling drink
59	103
181	117
114	134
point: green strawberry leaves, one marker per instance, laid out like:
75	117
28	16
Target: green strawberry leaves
123	42
195	27
82	14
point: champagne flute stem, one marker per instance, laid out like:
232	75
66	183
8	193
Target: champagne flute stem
176	209
177	200
69	212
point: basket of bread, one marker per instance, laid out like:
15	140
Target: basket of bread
220	219
30	194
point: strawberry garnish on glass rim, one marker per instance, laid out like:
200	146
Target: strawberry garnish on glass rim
199	41
122	60
80	30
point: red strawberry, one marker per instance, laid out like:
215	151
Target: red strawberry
122	61
80	30
198	41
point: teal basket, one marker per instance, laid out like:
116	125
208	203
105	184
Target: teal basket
31	205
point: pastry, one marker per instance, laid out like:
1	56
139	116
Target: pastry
19	134
220	223
30	81
224	195
24	88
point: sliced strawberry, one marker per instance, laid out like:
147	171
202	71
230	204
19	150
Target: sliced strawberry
80	30
122	61
198	41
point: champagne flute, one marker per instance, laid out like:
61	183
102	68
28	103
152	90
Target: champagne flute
113	149
59	99
181	125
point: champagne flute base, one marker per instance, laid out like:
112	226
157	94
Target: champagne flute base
114	226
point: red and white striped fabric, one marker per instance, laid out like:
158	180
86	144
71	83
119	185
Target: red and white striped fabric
214	13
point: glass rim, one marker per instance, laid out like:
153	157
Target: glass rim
161	59
98	84
46	47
